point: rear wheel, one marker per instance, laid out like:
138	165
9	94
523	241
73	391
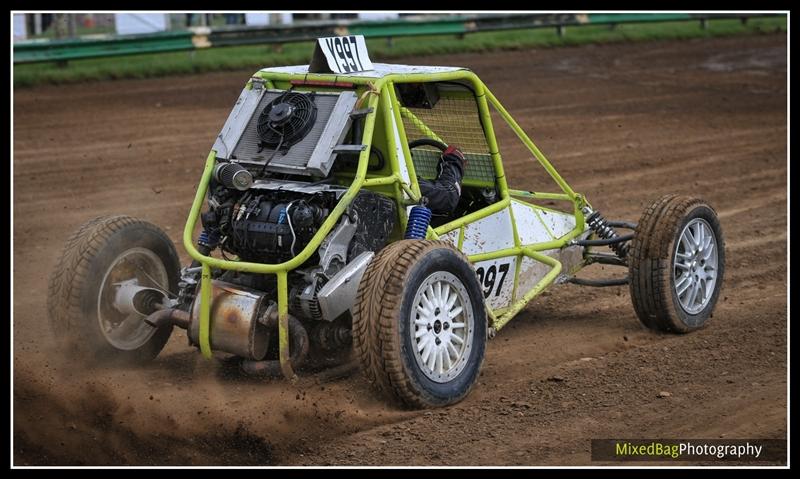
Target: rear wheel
419	324
98	257
676	264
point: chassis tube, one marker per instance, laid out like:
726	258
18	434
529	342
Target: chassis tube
284	354
503	319
539	196
412	173
532	147
391	147
205	311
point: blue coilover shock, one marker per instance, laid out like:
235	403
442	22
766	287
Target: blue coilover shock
418	221
208	238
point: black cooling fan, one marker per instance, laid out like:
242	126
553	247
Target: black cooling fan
286	120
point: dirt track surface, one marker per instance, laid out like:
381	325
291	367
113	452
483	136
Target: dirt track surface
624	124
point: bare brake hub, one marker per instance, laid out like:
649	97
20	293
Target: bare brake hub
131	298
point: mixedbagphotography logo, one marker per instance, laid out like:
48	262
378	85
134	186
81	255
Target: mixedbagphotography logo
739	450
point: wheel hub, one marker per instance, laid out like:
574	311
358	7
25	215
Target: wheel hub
126	329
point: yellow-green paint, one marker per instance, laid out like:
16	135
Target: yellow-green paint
517	240
531	146
390	114
284	354
492	317
391	146
403	144
414	195
539	196
474	216
205	310
517	267
486	120
501	253
383	180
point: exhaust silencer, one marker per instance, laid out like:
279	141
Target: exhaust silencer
234	317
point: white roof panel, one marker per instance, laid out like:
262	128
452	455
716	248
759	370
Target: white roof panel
381	70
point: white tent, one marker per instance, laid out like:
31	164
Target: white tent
129	23
286	18
20	31
378	15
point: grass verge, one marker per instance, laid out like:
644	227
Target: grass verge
254	57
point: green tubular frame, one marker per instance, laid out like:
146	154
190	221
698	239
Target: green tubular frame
405	193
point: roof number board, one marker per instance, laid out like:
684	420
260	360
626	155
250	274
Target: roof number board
343	55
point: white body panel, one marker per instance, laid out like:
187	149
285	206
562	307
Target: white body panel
451	237
489	234
535	225
531	272
557	223
530	227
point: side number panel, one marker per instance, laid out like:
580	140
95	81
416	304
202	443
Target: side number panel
496	278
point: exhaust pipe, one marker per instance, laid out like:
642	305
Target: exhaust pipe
176	317
298	341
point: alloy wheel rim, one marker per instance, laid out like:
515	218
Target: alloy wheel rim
695	266
442	327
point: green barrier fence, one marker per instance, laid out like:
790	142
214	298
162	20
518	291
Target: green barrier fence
203	37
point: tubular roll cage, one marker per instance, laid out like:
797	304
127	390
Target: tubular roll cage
380	90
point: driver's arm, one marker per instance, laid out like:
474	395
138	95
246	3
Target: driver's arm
444	192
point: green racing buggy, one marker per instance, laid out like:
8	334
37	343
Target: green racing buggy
310	234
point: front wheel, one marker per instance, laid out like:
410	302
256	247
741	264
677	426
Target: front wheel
98	257
676	264
419	323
